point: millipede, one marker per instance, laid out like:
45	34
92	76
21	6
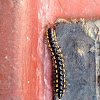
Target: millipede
59	81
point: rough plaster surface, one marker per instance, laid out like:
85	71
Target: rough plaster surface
80	60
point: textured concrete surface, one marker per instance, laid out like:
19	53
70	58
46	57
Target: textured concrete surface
80	61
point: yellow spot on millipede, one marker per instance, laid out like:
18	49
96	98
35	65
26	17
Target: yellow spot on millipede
62	60
55	36
55	39
49	45
55	61
54	33
64	75
63	65
56	80
64	85
52	53
61	55
47	37
51	49
64	70
58	46
64	80
55	66
59	50
56	85
46	32
56	90
54	57
56	71
57	43
63	90
48	41
57	76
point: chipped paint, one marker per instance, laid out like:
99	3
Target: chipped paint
80	51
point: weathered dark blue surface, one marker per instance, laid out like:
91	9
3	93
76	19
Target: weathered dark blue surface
80	62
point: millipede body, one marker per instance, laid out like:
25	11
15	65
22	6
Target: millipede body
58	63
